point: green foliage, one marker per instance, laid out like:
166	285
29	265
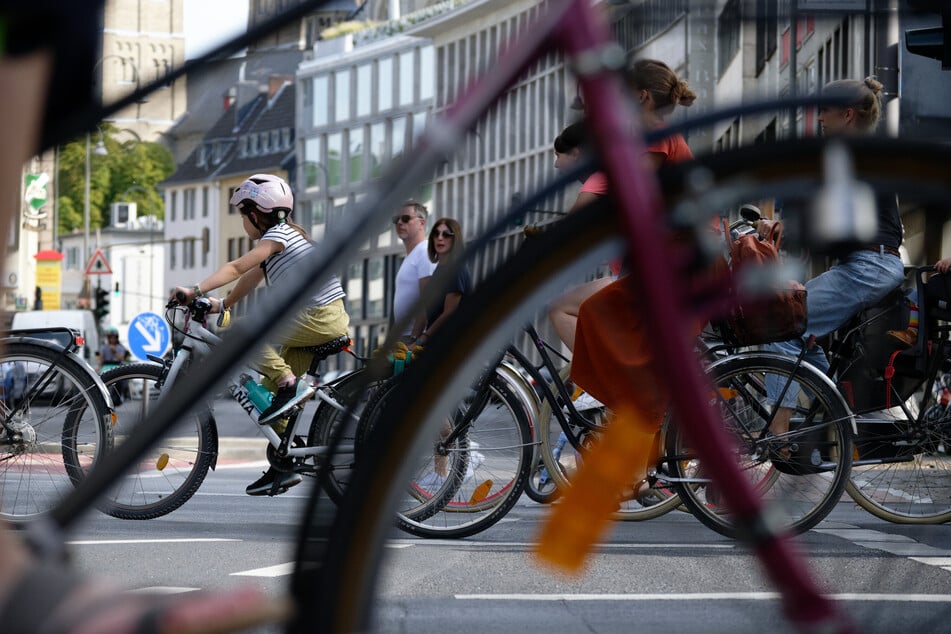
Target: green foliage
129	173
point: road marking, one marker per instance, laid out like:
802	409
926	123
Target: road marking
163	590
700	596
183	540
899	545
279	570
486	543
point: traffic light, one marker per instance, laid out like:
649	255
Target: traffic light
102	304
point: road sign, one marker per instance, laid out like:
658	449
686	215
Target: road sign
148	334
98	264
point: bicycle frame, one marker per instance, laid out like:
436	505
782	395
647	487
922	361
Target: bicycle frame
200	343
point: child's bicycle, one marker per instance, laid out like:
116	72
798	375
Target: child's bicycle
171	472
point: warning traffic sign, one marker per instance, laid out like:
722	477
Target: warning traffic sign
98	265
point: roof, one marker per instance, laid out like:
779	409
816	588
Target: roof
217	154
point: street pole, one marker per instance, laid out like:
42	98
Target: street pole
85	257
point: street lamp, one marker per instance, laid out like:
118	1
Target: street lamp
100	150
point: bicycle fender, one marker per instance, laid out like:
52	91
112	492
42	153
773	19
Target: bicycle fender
97	380
809	368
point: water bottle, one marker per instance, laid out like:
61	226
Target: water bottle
258	394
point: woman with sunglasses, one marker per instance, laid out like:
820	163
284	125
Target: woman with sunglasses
445	245
265	202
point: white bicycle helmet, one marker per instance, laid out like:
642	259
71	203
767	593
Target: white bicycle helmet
270	194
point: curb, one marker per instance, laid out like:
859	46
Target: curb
237	449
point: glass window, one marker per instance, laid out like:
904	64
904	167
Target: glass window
384	84
355	289
419	124
377	149
356	155
427	70
204	201
407	78
399	138
334	159
321	100
313	162
364	90
376	290
342	95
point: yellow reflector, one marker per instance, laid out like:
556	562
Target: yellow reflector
481	492
162	462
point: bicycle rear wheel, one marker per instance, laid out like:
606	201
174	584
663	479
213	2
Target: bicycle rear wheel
55	426
797	492
172	471
901	470
331	420
562	460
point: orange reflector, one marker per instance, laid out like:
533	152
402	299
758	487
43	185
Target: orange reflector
481	492
115	419
162	462
728	393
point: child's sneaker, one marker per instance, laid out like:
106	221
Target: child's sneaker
286	398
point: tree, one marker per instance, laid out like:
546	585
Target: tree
130	173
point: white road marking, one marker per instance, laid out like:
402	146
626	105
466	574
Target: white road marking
279	570
163	590
527	545
183	540
701	596
899	545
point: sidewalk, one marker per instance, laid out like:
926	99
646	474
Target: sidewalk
236	449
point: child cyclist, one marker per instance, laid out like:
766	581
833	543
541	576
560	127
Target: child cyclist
265	202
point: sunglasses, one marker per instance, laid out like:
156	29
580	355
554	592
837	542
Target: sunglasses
405	218
443	234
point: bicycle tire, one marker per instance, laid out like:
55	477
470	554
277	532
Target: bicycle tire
485	470
173	470
338	557
328	422
540	487
560	468
912	484
54	428
795	496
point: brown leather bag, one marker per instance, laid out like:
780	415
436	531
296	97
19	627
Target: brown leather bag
775	315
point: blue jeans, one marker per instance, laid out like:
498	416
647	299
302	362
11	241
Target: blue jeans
859	280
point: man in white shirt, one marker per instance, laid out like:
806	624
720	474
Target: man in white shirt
416	269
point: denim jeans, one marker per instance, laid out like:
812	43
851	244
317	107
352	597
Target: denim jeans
859	280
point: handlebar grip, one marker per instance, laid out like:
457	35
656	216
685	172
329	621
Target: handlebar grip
180	296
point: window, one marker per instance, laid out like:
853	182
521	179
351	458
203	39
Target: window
233	249
188	198
355	290
172	204
188	253
356	155
376	290
427	69
204	201
364	90
728	35
205	245
334	159
407	78
384	83
321	101
377	149
398	141
341	95
172	249
313	162
265	141
767	25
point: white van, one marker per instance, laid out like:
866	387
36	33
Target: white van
80	320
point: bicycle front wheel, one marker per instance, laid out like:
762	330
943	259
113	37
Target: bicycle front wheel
56	425
169	474
473	469
797	489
